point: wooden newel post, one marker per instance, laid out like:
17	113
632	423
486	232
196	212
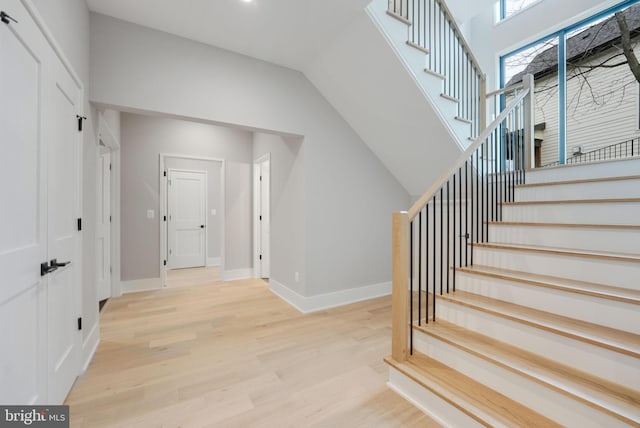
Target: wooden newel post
400	290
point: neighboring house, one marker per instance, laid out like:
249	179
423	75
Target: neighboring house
602	93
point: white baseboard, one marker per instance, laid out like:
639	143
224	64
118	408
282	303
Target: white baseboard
90	346
213	261
137	285
329	300
233	275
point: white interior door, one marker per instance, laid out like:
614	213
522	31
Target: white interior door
23	233
103	252
187	208
63	236
263	217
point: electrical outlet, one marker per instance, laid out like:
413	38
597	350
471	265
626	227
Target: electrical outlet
214	211
151	214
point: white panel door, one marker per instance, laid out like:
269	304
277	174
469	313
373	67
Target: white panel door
186	197
103	252
264	220
23	233
63	237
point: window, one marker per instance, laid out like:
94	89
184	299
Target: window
511	7
584	89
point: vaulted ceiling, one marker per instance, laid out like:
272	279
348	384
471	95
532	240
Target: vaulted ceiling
286	32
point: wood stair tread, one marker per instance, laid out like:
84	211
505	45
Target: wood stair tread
594	334
566	225
581	181
607	396
620	294
483	404
575	201
399	18
623	257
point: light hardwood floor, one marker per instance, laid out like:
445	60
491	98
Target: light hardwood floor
232	354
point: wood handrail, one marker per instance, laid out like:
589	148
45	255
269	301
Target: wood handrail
506	89
426	197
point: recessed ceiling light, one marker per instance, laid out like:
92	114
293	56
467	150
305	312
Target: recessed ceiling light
247	1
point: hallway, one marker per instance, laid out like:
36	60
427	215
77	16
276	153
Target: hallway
232	354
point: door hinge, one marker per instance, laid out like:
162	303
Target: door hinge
260	178
6	18
165	173
109	219
111	269
260	256
110	167
165	262
260	218
80	120
165	218
79	224
80	323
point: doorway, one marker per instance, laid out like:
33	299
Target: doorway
103	250
262	217
192	208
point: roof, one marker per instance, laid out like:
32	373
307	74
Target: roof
593	40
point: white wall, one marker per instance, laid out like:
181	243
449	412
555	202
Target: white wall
68	20
348	194
143	138
489	40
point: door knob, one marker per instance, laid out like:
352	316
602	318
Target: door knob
202	226
54	263
46	269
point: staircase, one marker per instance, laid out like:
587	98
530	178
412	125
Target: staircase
544	328
516	292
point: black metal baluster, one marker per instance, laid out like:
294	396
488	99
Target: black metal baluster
434	257
466	211
441	240
454	232
420	269
426	261
448	237
472	236
460	213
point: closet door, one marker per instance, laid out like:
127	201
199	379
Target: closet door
39	194
23	217
63	299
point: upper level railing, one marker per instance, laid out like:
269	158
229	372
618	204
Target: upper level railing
434	29
436	236
625	149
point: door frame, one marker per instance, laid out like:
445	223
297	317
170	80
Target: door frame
256	221
163	209
110	141
206	209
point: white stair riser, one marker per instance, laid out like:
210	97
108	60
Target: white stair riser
540	398
431	404
607	272
623	213
605	312
613	240
585	171
593	190
607	364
